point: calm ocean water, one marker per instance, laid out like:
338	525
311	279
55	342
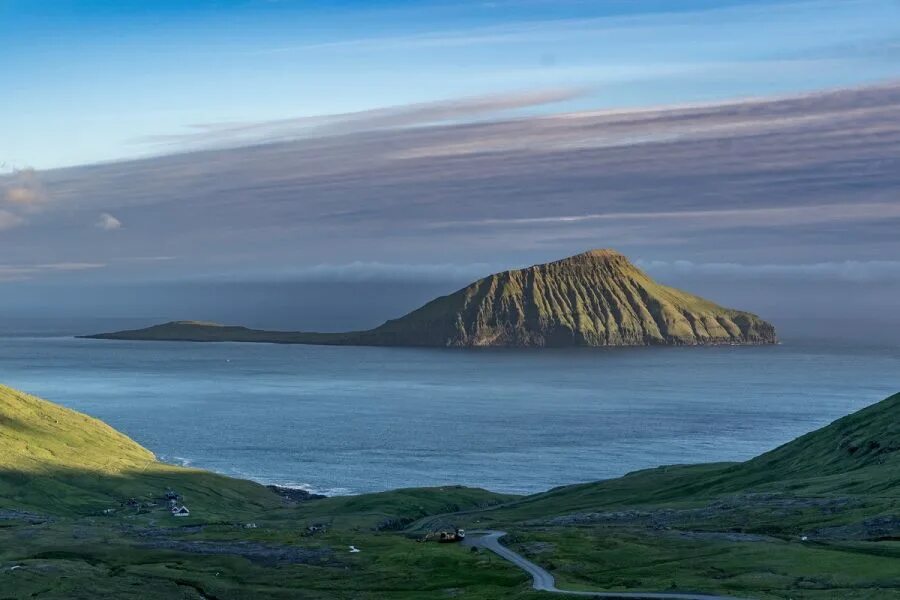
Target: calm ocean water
350	420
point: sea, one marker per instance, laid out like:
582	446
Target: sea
343	420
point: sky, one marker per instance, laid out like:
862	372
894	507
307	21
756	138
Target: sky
331	165
90	80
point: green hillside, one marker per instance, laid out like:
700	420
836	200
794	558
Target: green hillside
82	515
816	519
859	453
856	455
597	298
58	460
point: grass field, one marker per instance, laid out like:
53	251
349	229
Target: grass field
82	515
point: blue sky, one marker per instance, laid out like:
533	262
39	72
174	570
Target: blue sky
88	81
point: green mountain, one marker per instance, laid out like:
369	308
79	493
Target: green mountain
597	298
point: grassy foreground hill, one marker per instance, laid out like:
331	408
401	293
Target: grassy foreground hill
58	460
818	518
597	298
83	515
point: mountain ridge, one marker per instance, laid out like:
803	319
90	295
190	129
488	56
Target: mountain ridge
595	298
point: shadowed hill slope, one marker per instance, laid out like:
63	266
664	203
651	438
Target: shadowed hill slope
597	298
83	515
58	460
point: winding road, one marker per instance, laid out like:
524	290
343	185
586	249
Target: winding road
544	581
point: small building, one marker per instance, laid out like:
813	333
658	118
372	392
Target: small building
180	511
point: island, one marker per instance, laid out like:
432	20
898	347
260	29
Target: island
597	298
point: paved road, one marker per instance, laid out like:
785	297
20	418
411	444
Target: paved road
543	581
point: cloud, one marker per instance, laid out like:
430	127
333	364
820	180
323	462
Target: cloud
107	222
70	266
23	191
552	31
778	216
22	195
426	113
806	178
849	271
9	220
24	272
635	127
146	259
14	273
360	271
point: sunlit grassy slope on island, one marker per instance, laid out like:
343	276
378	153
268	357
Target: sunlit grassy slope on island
597	298
735	528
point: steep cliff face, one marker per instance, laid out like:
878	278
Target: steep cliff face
597	298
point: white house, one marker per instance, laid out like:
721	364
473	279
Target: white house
180	511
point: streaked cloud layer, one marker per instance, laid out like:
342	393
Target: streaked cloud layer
727	217
9	219
365	271
25	271
741	200
811	178
426	113
853	271
82	80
